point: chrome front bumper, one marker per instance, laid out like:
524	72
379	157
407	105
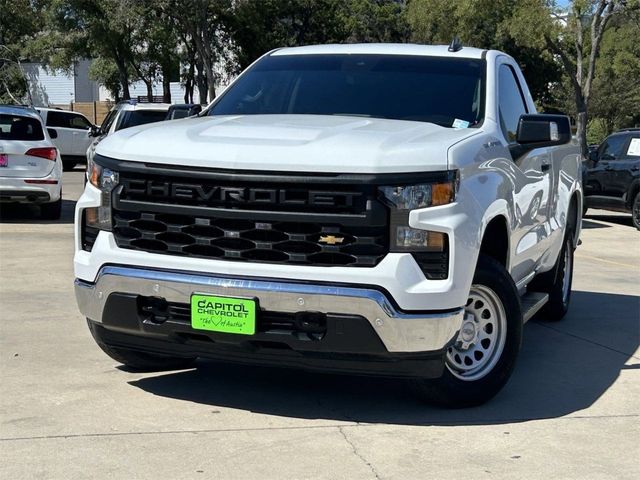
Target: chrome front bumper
399	331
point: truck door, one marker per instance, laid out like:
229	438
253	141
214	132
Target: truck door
611	156
531	177
627	167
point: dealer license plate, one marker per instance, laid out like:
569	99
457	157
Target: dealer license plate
223	314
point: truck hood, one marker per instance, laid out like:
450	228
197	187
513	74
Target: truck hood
300	143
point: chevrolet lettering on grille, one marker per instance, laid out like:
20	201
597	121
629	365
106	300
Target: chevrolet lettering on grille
237	195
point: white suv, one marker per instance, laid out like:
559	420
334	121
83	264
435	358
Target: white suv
30	165
73	130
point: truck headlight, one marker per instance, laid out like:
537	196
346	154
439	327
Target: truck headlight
404	198
412	197
105	180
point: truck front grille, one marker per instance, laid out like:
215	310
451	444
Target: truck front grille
260	220
249	240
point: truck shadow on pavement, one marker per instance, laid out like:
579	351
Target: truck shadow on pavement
563	368
18	213
592	221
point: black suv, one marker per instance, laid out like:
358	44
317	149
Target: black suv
612	174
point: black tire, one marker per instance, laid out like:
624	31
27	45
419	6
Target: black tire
553	283
142	361
51	211
635	211
68	165
451	390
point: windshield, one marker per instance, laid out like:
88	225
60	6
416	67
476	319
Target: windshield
140	117
444	91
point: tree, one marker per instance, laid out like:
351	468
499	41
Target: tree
105	72
376	21
203	22
90	29
20	20
484	24
615	98
260	26
574	37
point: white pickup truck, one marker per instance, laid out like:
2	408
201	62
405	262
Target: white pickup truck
397	210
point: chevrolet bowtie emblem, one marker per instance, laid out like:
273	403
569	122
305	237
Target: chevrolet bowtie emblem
330	239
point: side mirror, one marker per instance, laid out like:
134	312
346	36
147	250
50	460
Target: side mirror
95	131
541	130
593	156
52	133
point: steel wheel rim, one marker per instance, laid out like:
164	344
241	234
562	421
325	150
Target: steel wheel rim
482	336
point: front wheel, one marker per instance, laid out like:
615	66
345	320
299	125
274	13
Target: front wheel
68	165
480	362
53	210
635	211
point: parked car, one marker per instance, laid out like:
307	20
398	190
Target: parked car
612	174
131	113
73	131
126	114
312	217
30	164
183	110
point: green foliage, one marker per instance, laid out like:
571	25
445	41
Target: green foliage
485	24
597	131
258	27
20	22
204	41
375	21
616	89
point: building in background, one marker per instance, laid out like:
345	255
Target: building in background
58	87
61	89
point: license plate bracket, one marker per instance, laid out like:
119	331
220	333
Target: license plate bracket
216	313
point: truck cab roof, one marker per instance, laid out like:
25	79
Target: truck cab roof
383	49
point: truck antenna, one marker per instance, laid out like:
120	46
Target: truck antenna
455	45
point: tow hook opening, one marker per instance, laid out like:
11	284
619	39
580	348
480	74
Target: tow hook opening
153	309
312	323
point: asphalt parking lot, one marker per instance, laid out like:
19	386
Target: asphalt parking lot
571	409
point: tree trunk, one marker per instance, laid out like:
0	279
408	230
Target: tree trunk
207	58
202	84
149	85
211	79
166	85
188	84
123	74
581	131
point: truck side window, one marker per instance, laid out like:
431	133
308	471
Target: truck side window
511	102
